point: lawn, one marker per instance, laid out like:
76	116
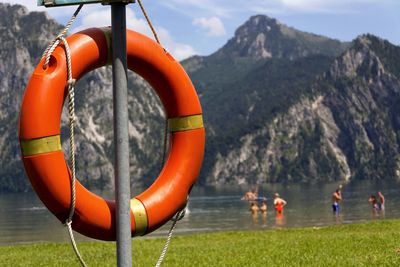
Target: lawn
371	244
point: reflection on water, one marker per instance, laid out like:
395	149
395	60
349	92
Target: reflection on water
279	219
24	219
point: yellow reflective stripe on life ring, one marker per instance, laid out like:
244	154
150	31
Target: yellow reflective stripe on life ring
140	216
185	123
41	145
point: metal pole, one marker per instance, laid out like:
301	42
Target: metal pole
121	139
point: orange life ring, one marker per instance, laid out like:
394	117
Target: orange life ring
43	158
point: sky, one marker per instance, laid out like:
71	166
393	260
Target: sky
200	27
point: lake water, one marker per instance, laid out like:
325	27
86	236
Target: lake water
23	218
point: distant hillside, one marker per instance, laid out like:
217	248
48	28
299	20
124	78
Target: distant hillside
280	105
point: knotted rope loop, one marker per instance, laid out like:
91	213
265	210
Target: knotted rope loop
50	49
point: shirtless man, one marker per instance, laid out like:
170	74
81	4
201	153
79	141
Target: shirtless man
279	203
249	196
336	198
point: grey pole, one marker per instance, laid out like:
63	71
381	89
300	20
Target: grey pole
121	138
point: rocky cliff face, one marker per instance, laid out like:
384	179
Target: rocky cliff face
20	51
280	105
365	89
344	126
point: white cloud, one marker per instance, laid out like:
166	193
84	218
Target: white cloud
213	25
101	17
178	50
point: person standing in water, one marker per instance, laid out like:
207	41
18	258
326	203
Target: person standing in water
382	201
377	206
254	208
263	209
279	203
374	202
254	212
263	206
336	198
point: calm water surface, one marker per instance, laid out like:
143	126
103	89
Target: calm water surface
24	219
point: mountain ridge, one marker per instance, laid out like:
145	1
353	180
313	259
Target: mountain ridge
333	161
280	106
265	37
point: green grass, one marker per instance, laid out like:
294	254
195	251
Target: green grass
371	244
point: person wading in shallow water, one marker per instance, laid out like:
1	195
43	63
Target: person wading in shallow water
263	206
254	208
254	212
377	206
263	209
279	203
382	200
336	198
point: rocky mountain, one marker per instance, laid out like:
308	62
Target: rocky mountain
20	51
298	107
262	37
280	105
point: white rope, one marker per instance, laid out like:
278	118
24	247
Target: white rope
71	111
178	216
74	246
